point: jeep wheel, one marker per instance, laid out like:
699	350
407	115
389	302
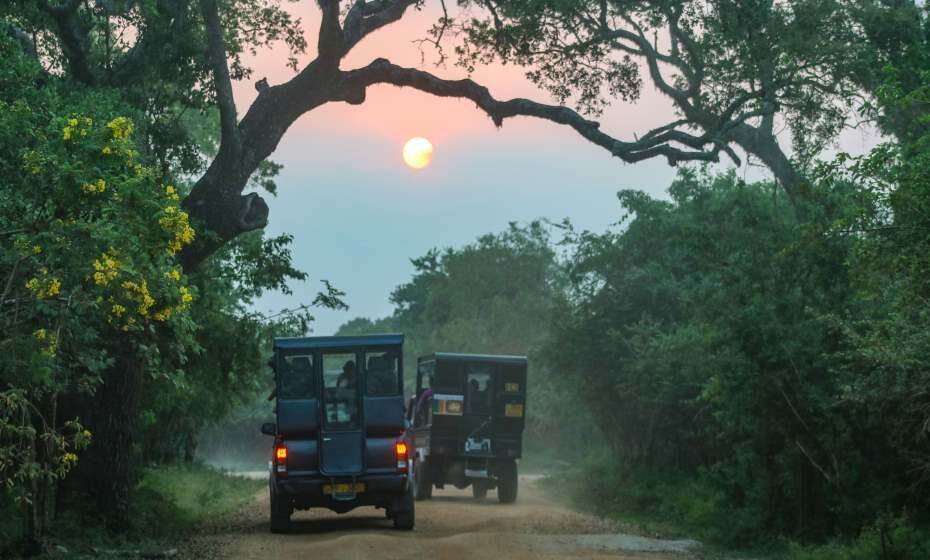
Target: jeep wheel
507	482
423	486
280	514
479	489
405	516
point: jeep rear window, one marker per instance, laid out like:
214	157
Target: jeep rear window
340	390
295	376
382	377
478	387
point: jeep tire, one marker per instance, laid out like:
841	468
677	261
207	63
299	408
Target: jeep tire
280	514
507	482
421	479
405	515
479	489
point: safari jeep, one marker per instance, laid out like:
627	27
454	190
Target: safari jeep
339	439
468	416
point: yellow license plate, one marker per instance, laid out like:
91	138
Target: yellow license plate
344	488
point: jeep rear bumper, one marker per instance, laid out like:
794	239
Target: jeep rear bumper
307	491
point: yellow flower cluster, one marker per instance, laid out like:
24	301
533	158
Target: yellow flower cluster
43	286
106	268
50	340
51	348
74	127
121	127
172	193
68	460
186	299
176	222
95	188
139	291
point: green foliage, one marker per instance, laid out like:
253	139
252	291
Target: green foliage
87	266
171	502
196	493
88	273
698	337
724	64
888	538
151	52
668	503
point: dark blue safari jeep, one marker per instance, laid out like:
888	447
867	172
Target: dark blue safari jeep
340	431
468	416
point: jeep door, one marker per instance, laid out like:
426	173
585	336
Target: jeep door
341	435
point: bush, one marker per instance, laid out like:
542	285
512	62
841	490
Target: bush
888	538
170	501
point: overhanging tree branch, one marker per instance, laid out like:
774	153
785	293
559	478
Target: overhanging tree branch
659	143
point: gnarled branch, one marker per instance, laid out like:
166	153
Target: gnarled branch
658	143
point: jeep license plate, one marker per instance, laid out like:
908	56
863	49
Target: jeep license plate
346	488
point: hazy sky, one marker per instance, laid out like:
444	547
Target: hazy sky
358	214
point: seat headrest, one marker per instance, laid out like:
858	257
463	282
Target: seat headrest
301	364
379	362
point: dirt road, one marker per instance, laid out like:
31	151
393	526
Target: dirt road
452	526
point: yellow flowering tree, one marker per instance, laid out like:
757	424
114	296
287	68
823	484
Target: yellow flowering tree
89	282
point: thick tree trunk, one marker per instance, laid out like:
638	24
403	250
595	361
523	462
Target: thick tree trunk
110	458
765	147
216	204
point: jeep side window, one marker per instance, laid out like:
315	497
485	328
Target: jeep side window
340	390
296	377
382	374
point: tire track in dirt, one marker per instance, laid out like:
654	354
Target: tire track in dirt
452	526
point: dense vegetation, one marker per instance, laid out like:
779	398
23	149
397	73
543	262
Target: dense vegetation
752	357
90	280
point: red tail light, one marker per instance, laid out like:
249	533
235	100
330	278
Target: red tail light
400	450
280	458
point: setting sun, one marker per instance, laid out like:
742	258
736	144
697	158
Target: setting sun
418	152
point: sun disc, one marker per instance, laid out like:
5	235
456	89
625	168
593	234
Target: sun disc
418	152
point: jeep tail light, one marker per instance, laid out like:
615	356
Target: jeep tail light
280	458
400	450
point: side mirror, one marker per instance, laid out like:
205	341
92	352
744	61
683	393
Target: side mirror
270	429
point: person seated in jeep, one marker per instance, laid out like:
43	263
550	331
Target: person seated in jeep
347	378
